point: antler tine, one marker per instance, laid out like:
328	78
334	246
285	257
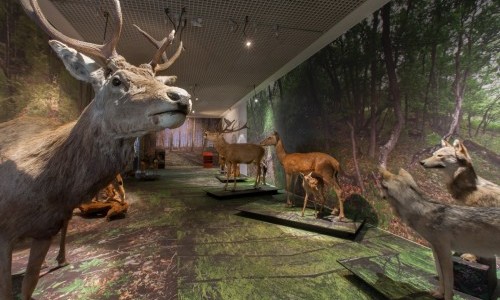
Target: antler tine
104	51
154	41
165	65
226	130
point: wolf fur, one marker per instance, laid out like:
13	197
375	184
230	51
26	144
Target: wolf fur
446	227
462	182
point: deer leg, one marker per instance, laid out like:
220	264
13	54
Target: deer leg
338	192
38	252
257	178
228	170
5	269
305	204
61	256
235	166
288	182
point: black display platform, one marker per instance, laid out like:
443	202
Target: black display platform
397	278
276	212
246	191
222	178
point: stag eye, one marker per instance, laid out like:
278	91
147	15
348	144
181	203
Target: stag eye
116	81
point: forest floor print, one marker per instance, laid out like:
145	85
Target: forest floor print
178	243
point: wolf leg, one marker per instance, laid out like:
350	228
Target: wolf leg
446	270
438	293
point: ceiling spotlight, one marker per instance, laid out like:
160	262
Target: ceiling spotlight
248	43
196	99
256	100
193	111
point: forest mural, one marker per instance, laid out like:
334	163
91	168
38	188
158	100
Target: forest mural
386	92
33	81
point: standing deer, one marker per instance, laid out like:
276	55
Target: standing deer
235	154
314	185
40	184
323	164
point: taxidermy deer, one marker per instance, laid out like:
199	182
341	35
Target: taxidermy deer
235	154
314	185
293	163
40	184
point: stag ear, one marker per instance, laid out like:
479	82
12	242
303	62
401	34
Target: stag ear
79	65
167	80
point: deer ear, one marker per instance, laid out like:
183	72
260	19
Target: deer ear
444	143
79	65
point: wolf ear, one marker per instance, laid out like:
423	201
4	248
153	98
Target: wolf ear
461	150
444	143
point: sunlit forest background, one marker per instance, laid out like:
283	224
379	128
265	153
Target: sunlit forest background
387	91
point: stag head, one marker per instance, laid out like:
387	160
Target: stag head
129	100
224	126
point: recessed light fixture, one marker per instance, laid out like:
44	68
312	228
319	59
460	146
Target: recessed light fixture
196	99
256	100
248	43
193	111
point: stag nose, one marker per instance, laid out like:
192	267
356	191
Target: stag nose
174	96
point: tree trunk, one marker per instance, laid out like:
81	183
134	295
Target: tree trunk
387	148
373	87
355	159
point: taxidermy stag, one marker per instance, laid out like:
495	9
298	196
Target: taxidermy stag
46	171
235	154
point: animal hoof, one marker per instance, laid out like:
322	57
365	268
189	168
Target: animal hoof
62	264
335	212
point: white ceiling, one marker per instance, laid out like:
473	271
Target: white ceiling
215	59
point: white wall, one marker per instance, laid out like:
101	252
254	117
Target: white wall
238	113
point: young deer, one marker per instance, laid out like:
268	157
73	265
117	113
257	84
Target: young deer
39	184
293	163
235	154
314	185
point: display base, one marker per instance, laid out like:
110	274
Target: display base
477	279
395	279
276	212
239	193
223	178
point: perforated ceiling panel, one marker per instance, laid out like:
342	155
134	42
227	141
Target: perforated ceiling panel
216	59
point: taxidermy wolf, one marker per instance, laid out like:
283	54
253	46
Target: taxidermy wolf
445	227
462	182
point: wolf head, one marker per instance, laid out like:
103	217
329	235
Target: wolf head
398	186
448	156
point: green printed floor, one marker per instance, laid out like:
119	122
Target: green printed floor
178	243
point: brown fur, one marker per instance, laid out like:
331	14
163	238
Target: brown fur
314	185
235	154
293	163
462	182
47	171
445	227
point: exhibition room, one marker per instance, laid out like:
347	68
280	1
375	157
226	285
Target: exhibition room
261	149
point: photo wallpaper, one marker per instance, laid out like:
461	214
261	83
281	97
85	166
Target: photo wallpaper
386	92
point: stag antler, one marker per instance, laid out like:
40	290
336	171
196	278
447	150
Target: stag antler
160	53
104	51
230	127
